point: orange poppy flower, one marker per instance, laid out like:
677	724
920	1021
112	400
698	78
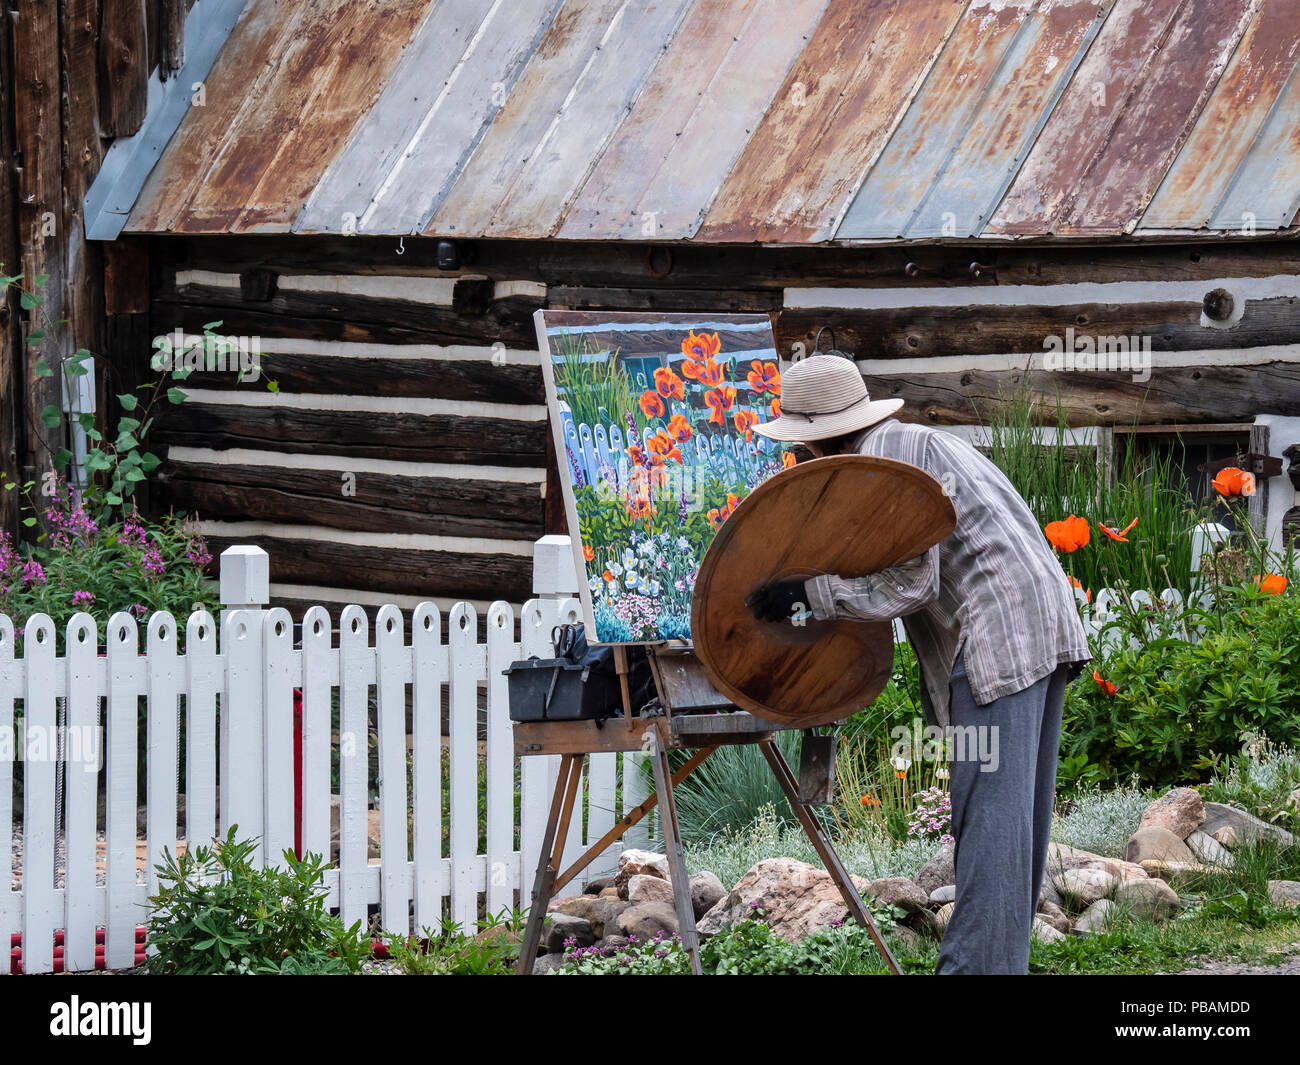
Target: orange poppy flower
1271	584
708	372
1234	482
607	575
1068	534
651	405
668	384
719	401
718	515
1076	583
788	460
1103	684
701	347
680	428
870	800
587	552
774	409
663	447
745	420
765	377
1120	537
640	506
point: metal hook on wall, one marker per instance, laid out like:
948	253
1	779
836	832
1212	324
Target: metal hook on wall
817	340
401	245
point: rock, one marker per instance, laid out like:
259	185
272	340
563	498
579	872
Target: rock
1054	916
595	887
942	894
1149	898
904	938
1045	933
612	943
1168	870
1293	800
1208	849
938	871
1083	887
1061	858
943	915
547	963
596	911
1048	894
1096	918
1154	843
1284	893
1227	835
562	927
706	891
643	888
1247	827
796	899
639	863
904	893
646	919
610	892
1180	811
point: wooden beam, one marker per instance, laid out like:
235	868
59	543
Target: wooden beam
11	344
123	67
171	33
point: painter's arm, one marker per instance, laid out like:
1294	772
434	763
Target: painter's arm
892	593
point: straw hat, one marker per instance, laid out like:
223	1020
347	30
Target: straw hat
824	396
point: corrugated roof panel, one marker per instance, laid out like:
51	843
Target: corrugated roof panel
1218	155
692	120
323	78
1157	118
1266	191
450	83
829	121
598	103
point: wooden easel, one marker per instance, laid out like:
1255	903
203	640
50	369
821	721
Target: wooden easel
678	677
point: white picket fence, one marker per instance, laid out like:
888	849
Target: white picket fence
251	673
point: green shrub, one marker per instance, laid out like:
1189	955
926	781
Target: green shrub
217	913
449	952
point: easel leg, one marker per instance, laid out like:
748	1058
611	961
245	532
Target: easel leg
676	854
817	835
552	851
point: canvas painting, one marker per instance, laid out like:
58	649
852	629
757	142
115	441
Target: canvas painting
654	418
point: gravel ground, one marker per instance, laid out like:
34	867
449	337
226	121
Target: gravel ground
1287	964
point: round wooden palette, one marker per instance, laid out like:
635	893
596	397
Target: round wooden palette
847	514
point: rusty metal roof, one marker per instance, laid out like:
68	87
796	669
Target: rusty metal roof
783	121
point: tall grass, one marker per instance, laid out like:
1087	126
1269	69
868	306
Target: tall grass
1057	476
597	390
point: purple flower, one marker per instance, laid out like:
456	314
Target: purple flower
33	574
82	598
152	562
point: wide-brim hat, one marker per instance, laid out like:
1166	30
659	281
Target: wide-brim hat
824	396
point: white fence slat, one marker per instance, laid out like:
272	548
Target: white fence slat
9	690
355	655
39	720
537	773
468	662
601	795
120	719
319	677
428	674
80	794
240	727
162	669
391	669
279	676
202	683
503	874
635	791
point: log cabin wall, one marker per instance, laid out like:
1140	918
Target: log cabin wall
405	453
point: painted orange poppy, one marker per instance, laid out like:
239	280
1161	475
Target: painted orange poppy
1120	537
668	384
663	446
680	428
701	346
651	405
587	552
719	401
774	409
765	377
1068	534
1271	584
1234	482
708	372
745	420
788	460
1104	684
607	575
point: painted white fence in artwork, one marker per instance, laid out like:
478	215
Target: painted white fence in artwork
250	674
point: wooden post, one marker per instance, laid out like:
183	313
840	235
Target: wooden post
11	430
123	67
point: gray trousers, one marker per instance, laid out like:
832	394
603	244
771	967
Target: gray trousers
1001	821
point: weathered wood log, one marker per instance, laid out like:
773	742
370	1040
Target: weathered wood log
1181	394
171	34
432	378
10	327
395	570
123	67
361	502
335	316
706	300
919	331
407	437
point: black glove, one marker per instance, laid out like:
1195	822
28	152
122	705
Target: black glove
776	601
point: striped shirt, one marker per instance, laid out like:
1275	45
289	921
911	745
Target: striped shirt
993	591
